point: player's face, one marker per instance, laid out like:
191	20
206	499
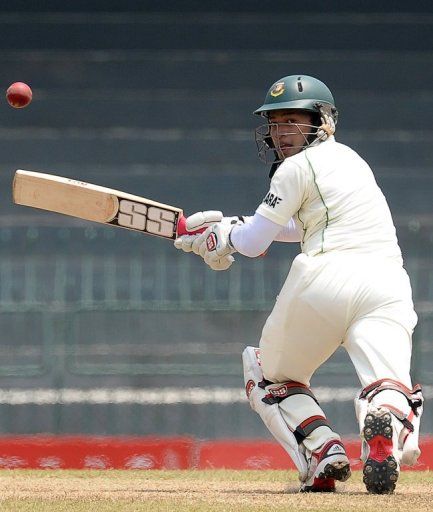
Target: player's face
289	130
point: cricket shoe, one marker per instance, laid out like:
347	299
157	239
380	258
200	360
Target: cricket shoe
327	465
381	468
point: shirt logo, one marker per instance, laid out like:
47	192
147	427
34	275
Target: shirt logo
272	200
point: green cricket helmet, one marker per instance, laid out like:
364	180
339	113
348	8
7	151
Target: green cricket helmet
296	92
300	92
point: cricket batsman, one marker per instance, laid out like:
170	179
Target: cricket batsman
347	287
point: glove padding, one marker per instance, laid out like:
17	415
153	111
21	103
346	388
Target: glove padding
223	263
216	242
199	220
197	244
203	219
208	218
216	247
189	243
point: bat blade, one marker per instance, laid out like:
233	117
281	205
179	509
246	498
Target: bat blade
63	195
96	203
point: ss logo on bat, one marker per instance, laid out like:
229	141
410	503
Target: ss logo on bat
150	219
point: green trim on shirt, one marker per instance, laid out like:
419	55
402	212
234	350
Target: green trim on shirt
304	230
323	202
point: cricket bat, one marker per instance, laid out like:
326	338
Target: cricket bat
98	204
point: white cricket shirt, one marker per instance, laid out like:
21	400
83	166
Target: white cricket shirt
333	196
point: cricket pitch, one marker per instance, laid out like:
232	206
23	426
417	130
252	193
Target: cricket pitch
198	491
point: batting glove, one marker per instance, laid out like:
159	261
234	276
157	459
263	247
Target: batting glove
217	245
193	243
223	263
203	219
189	243
217	242
200	220
209	218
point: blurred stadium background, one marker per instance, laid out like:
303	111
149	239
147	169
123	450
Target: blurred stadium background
107	332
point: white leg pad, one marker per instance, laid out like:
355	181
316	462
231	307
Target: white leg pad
411	450
270	414
406	443
361	409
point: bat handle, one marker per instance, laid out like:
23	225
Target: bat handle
181	228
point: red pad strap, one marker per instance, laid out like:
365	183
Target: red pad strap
406	420
308	426
413	396
278	394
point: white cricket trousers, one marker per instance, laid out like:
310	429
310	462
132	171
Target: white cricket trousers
361	301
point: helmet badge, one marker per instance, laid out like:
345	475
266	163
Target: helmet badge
278	89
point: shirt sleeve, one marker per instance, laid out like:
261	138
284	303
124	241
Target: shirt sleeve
288	190
255	236
290	233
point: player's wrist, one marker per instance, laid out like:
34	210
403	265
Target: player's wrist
235	219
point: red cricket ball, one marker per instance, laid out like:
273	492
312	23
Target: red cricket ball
19	95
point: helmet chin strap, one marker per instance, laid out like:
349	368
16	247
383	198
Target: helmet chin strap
327	129
328	117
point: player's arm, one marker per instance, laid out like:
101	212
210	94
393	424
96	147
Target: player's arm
288	190
290	233
254	237
250	239
250	232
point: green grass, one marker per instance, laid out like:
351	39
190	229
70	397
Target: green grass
198	491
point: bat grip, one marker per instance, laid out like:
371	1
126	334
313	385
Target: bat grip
181	228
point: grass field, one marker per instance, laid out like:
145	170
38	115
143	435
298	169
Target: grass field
198	491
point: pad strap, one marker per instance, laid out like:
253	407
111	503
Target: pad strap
263	383
405	419
278	394
307	426
413	396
